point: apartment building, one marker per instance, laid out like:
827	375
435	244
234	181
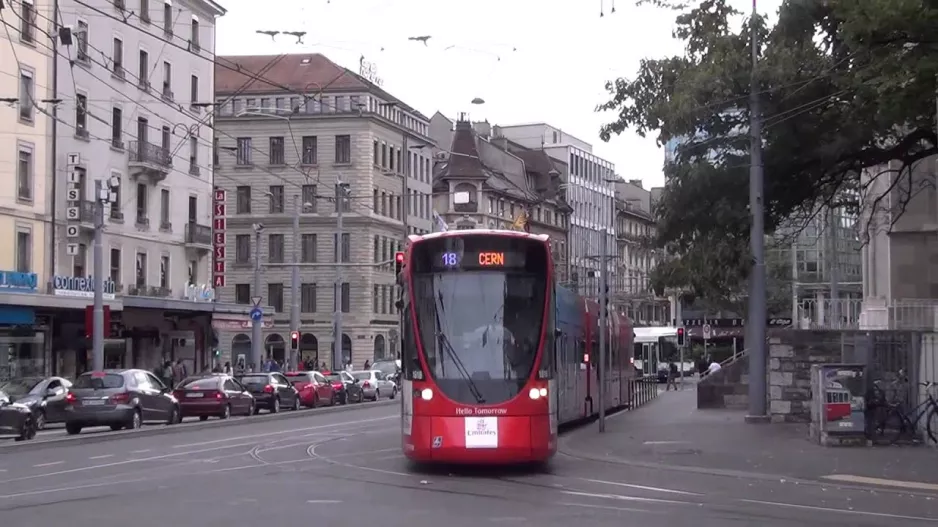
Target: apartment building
24	192
508	186
589	190
310	132
635	227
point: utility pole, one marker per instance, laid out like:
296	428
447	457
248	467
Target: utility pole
833	270
408	200
603	328
256	337
756	320
295	280
97	330
340	194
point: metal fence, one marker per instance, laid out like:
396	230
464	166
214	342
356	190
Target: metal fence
888	353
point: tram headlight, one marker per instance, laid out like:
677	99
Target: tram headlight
543	392
535	394
426	394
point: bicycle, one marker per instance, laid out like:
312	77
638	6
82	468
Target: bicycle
888	423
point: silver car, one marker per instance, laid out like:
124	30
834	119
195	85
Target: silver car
375	384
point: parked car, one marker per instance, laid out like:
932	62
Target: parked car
272	391
391	368
119	399
375	384
348	387
46	397
213	396
314	389
16	420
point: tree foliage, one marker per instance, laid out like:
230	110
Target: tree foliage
845	85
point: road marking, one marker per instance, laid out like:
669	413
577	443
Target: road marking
139	451
188	452
40	465
323	501
65	489
608	508
846	478
624	498
843	511
642	487
665	443
267	434
103	456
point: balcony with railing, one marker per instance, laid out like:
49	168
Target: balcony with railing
150	162
198	237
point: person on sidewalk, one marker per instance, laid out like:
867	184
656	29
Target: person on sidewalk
672	376
714	367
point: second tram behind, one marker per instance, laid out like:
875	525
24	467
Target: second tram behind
495	356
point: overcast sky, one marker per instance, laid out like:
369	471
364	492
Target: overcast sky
530	60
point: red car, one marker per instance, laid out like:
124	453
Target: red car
216	395
314	389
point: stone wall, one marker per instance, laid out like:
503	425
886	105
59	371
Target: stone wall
791	355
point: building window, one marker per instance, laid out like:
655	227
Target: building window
308	249
376	154
343	296
343	149
276	199
194	90
310	150
116	212
144	11
275	297
141	270
344	250
143	70
142	203
276	151
117	129
164	272
309	198
244	151
193	271
243	203
24	251
81	37
194	37
27	21
24	173
194	156
376	306
242	248
168	18
167	81
164	209
115	265
242	293
27	91
275	248
307	298
81	115
117	58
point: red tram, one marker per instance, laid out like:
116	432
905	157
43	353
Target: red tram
495	356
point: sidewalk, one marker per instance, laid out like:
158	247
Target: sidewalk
670	432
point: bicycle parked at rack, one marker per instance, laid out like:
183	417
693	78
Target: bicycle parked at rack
887	422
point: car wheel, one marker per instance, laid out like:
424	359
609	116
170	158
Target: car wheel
72	429
275	407
377	395
394	392
115	428
29	429
40	420
173	416
203	418
226	412
344	398
136	421
296	404
256	409
251	409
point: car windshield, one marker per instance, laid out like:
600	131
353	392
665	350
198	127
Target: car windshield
334	377
387	367
200	384
21	387
99	381
362	375
254	379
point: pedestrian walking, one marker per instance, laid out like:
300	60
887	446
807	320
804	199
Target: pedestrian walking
367	365
672	376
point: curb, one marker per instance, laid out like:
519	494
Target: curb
159	430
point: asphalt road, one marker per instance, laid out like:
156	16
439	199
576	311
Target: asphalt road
346	469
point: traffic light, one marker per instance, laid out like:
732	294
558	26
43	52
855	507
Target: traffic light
680	337
294	340
398	262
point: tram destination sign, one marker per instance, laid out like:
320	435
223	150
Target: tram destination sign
775	322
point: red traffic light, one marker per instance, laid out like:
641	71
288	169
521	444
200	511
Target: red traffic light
399	257
680	332
295	335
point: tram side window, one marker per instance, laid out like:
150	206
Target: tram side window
408	341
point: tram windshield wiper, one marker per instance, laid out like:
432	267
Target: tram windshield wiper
448	348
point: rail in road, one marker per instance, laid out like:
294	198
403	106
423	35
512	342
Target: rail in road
328	464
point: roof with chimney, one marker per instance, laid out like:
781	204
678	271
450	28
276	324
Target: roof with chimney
301	73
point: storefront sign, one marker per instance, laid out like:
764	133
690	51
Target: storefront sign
218	238
198	293
18	282
80	287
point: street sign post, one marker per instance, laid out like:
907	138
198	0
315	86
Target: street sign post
256	314
706	330
256	301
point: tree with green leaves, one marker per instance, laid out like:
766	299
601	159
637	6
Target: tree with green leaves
846	86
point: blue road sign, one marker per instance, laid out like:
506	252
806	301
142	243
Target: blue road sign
256	314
